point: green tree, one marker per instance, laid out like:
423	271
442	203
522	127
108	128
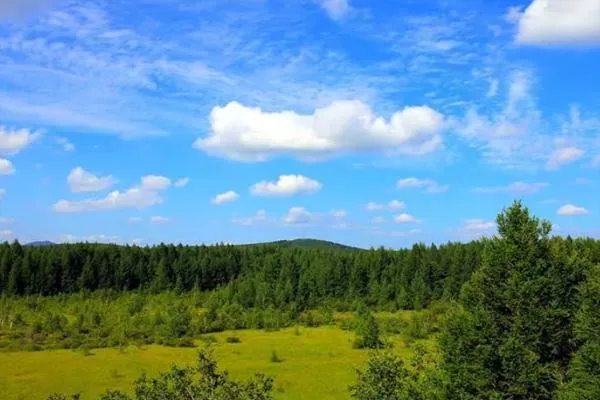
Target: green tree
205	382
387	378
584	371
367	331
512	337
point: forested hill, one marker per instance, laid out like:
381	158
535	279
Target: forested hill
259	275
308	244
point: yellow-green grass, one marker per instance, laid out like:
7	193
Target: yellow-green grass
319	363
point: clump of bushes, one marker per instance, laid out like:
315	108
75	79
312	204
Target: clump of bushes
233	339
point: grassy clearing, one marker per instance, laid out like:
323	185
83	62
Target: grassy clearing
316	363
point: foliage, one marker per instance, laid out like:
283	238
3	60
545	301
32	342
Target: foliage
205	382
584	371
387	378
367	332
512	337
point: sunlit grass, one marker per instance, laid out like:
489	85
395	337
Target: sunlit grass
317	363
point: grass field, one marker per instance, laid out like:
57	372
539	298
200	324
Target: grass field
319	363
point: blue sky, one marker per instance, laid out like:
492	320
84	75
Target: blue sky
368	123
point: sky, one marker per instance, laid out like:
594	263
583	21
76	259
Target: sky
367	123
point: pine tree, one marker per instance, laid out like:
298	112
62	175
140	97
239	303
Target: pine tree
512	338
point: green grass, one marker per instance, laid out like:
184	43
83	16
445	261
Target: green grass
319	363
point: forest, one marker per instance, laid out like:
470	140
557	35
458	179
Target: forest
513	316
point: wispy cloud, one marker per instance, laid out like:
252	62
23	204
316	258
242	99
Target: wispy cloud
515	187
429	185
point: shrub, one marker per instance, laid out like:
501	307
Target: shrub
275	358
232	339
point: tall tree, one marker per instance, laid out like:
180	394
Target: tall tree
512	337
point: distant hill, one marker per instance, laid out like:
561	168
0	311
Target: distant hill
308	244
41	243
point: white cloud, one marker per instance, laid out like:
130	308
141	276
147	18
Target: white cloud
478	225
476	228
392	205
431	186
225	197
6	234
516	187
493	89
338	214
378	220
13	141
298	216
260	216
570	209
66	145
405	219
251	134
563	156
144	195
336	9
181	182
6	167
286	185
596	161
581	181
157	219
5	220
558	22
68	238
134	220
2	192
80	180
155	183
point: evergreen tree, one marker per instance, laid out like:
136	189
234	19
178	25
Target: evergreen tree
512	337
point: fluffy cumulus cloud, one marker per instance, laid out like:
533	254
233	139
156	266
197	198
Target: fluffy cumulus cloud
155	183
251	134
80	180
6	167
391	205
405	219
570	209
286	185
564	156
515	187
336	9
145	194
225	197
429	185
13	141
5	234
558	22
475	228
260	216
298	216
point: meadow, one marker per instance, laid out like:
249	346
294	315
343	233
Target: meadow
316	363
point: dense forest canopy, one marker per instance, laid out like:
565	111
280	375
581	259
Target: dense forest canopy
259	275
